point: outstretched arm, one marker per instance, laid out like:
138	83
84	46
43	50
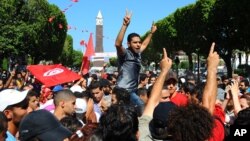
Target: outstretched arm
153	101
235	95
118	42
148	38
210	90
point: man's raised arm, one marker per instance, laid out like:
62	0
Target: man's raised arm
118	42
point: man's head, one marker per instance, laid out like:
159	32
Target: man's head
143	80
120	95
158	125
44	126
65	100
165	94
32	98
171	82
14	105
143	94
106	86
119	123
105	103
244	85
134	42
96	91
190	77
192	117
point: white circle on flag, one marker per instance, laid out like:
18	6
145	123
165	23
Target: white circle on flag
52	72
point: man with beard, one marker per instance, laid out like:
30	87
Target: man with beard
14	105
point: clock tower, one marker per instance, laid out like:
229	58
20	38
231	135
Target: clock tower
99	61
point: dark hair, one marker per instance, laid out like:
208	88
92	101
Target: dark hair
122	95
132	35
95	84
119	123
143	77
72	123
190	88
149	90
245	81
243	118
32	93
200	88
78	94
185	122
142	91
3	122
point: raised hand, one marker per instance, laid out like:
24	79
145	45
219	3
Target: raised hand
127	17
235	88
153	27
213	58
166	62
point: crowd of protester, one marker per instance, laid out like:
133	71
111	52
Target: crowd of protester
126	106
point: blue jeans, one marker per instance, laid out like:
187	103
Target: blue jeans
137	102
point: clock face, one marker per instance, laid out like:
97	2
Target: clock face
99	22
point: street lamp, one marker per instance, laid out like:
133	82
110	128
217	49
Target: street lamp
177	62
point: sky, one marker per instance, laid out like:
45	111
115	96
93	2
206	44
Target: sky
81	17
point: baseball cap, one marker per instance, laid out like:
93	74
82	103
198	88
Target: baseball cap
81	105
10	97
161	112
57	88
76	88
43	125
158	125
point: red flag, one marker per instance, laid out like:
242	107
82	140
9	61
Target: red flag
51	75
90	47
88	53
85	65
82	43
74	0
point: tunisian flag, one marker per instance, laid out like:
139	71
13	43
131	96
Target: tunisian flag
51	75
88	53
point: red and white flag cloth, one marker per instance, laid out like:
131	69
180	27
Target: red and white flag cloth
88	53
51	75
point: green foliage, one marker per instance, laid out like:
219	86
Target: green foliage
113	61
184	65
5	63
77	58
194	27
25	29
67	54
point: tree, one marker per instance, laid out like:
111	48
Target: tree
77	58
231	31
163	38
113	61
67	54
25	29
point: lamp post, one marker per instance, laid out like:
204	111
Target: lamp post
177	62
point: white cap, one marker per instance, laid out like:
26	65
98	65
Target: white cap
81	105
10	97
76	88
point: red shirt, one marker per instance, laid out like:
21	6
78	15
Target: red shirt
179	99
218	130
